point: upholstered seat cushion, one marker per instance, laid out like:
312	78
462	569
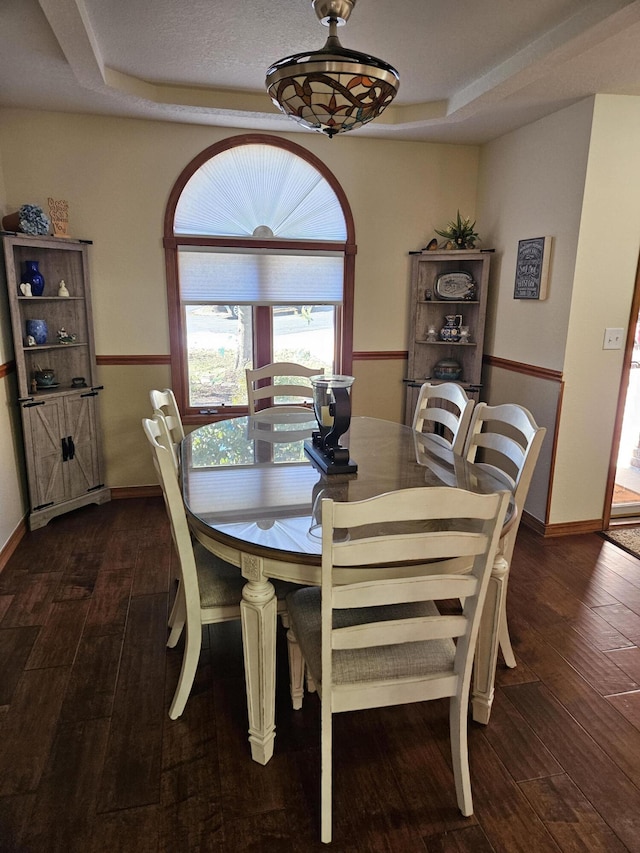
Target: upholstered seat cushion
221	583
377	663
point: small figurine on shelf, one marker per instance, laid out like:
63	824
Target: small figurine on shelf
62	289
25	289
65	337
31	341
432	334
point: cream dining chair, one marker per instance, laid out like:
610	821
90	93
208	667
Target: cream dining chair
505	440
288	370
446	409
164	402
210	590
381	642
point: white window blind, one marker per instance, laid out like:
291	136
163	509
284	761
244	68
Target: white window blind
260	277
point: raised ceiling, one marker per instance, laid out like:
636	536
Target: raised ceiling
469	71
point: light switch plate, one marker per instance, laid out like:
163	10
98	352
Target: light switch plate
613	339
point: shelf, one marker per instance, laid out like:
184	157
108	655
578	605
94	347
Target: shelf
442	301
448	343
40	347
50	298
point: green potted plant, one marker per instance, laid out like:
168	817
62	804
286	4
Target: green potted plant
460	232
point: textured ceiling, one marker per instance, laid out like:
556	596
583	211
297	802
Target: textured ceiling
469	71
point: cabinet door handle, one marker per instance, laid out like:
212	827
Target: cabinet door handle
72	447
31	405
90	394
65	450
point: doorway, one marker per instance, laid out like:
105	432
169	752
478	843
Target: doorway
624	486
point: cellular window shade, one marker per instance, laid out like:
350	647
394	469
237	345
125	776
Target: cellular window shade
256	185
260	277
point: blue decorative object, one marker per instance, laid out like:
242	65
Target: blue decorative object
37	329
34	277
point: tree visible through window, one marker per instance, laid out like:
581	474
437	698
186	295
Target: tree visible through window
259	248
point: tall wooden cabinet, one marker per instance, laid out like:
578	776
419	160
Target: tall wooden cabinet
60	420
446	283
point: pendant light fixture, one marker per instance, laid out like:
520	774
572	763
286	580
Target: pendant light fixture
334	89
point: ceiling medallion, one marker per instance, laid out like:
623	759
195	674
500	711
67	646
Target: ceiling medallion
334	89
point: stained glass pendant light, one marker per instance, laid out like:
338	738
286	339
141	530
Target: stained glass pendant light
334	89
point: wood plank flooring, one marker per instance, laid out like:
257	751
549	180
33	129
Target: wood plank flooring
91	762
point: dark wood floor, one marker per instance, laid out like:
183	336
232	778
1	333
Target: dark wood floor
90	761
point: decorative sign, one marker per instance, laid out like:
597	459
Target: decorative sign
532	268
59	215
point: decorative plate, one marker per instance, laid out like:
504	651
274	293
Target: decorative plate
455	285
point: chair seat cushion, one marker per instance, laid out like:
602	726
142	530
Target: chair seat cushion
378	663
221	583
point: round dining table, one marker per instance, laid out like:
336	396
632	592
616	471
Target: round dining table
252	496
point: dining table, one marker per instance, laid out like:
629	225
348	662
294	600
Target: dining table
252	496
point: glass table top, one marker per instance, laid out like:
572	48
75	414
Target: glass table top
250	479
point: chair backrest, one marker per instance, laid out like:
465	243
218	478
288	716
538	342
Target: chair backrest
164	402
447	410
506	440
442	523
163	462
271	389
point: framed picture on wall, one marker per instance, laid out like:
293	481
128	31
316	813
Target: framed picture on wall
532	268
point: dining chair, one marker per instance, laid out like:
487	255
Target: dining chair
164	402
447	410
289	370
383	641
210	590
505	440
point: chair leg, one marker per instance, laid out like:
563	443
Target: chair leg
505	642
177	619
175	606
460	754
484	669
326	772
296	671
311	685
190	660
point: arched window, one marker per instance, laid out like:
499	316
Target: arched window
260	251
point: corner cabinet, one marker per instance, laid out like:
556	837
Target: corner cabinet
452	283
57	390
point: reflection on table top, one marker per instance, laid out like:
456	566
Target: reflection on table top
249	479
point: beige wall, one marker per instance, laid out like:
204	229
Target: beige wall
603	287
116	175
574	175
12	482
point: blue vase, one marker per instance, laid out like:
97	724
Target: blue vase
37	329
34	277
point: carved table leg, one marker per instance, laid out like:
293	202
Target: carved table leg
258	610
484	670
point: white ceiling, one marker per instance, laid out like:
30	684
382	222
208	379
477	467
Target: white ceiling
470	70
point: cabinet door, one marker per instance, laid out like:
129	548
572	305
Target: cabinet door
43	431
82	469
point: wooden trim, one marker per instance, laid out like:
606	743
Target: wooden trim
171	242
568	528
381	355
554	450
521	367
7	368
12	543
124	492
129	360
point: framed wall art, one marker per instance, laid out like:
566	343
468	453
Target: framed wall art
532	268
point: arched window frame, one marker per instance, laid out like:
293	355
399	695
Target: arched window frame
343	356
